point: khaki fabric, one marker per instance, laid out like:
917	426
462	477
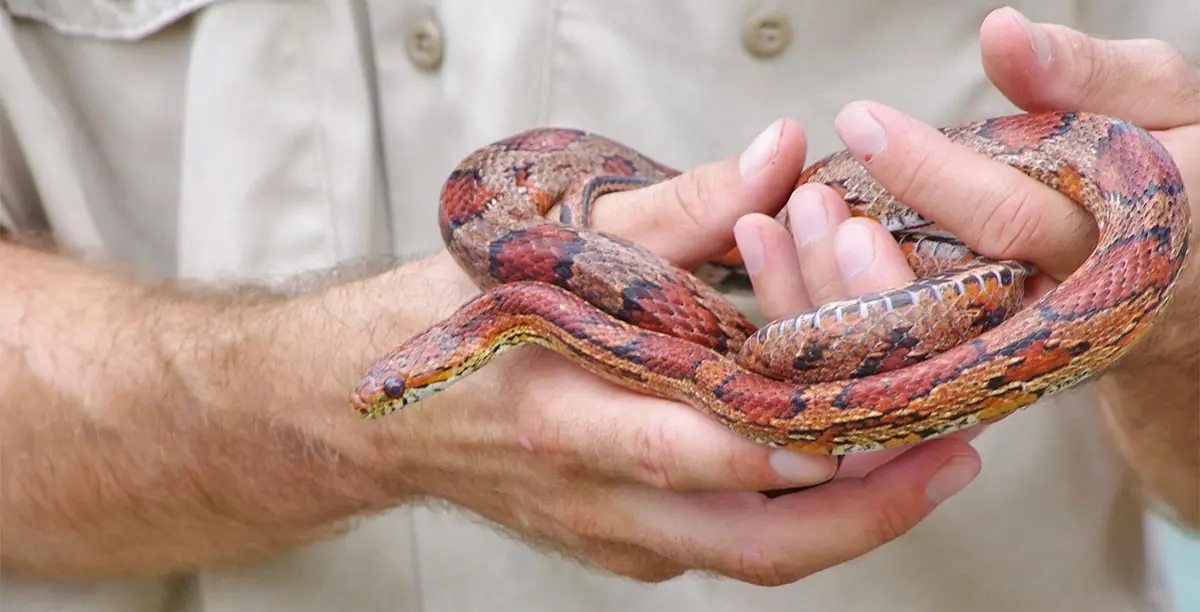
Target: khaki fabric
202	139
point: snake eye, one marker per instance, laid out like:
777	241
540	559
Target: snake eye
393	387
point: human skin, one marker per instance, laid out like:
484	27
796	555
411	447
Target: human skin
155	429
1150	400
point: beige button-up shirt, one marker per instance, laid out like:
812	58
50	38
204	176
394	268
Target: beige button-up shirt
199	139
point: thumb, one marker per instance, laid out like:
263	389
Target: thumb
1041	66
689	218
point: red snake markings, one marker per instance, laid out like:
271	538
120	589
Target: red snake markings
949	350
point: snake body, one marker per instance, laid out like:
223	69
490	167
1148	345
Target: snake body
951	349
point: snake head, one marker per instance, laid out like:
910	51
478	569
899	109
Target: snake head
377	397
393	383
453	349
425	365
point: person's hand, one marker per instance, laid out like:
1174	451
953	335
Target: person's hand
827	256
997	210
1148	399
1147	82
644	487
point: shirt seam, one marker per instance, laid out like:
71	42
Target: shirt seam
131	25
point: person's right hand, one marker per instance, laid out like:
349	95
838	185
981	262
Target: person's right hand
649	488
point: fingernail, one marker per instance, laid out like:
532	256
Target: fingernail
750	246
761	150
809	220
1039	40
854	249
951	478
861	131
802	469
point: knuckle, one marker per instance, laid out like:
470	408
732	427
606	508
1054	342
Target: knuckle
889	523
917	179
555	444
745	471
825	290
653	444
1091	67
1170	61
1008	227
1175	68
1172	77
691	192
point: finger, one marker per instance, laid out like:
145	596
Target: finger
1052	67
688	218
663	444
861	464
770	260
992	207
868	258
778	541
814	213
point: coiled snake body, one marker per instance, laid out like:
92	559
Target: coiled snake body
951	349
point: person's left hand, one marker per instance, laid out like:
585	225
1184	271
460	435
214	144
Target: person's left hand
995	209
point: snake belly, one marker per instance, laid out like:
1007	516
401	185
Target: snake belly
953	348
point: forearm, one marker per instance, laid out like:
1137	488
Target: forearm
147	430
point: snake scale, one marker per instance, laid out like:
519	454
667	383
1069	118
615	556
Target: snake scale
953	348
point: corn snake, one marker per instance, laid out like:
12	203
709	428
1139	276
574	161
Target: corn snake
952	349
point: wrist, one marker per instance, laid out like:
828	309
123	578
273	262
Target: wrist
290	365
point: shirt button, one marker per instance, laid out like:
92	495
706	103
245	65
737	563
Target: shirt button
766	36
424	44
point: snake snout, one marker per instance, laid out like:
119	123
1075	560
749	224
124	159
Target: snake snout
359	403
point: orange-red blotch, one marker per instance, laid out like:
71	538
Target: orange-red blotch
618	165
464	197
1019	132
